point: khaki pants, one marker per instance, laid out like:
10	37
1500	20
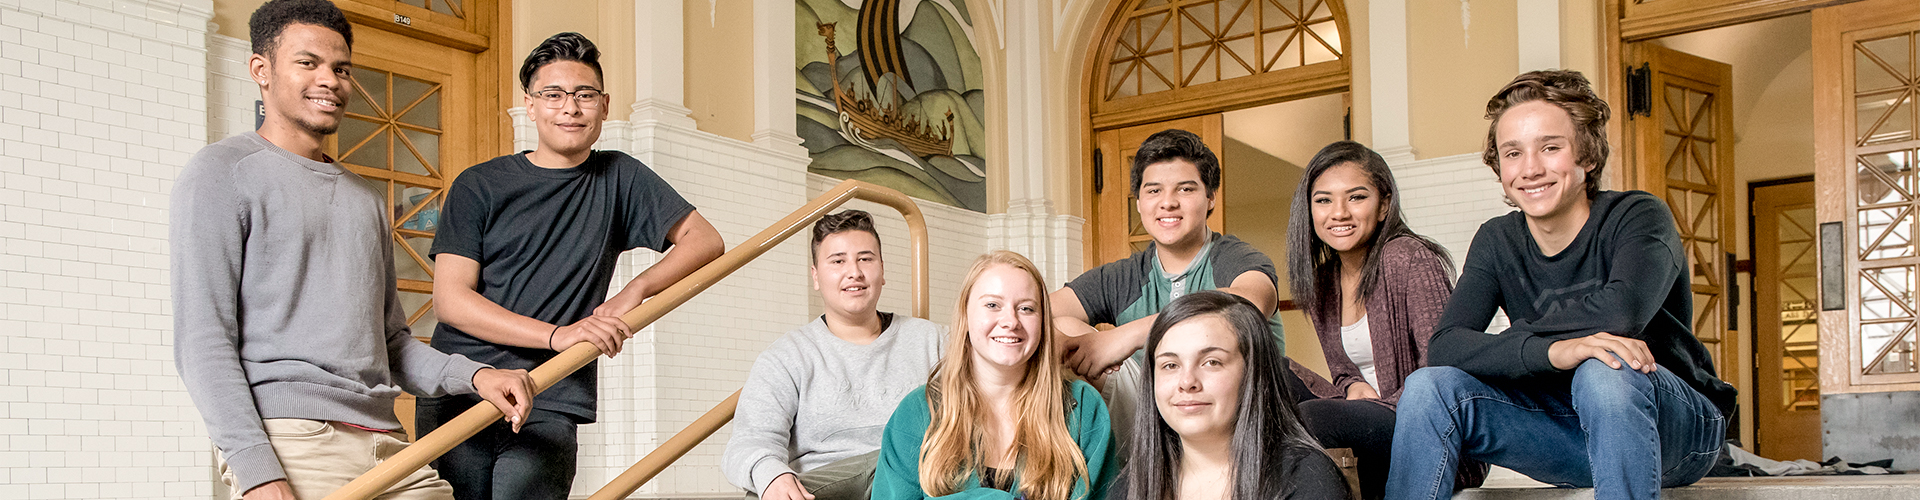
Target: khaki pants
849	478
320	457
1121	390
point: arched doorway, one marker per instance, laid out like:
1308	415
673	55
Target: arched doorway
1161	60
1263	82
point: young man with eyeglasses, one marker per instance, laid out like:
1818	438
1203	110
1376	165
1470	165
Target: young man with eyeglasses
526	248
287	327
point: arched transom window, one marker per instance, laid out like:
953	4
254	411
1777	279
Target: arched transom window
1218	54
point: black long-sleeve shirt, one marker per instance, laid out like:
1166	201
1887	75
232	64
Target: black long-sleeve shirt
1625	273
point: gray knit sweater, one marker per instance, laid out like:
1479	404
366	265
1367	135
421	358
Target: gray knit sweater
284	303
813	399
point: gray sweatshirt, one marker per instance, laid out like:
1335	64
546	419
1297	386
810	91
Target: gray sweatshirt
813	399
284	303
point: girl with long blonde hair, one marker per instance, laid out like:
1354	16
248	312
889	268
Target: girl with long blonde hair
998	418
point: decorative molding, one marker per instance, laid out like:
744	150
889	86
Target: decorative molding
1539	27
1398	155
1387	63
1064	19
1052	242
774	125
659	43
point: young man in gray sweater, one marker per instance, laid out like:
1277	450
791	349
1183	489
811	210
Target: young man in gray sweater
287	326
811	415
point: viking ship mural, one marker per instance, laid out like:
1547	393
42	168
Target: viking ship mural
904	109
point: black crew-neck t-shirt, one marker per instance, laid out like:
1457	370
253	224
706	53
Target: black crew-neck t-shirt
547	241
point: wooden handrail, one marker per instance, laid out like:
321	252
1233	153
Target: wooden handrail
436	443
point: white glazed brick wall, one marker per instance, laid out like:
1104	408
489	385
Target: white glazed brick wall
1447	198
103	102
230	92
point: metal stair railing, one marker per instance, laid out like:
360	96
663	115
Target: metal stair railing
431	446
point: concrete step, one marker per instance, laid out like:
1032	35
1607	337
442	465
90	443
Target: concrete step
1890	487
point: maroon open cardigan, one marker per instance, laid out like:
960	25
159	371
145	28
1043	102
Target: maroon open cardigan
1401	314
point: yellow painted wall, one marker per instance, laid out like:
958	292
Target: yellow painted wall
607	22
1455	61
1362	75
719	76
232	15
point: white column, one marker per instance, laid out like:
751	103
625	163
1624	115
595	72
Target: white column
1029	225
659	62
1387	42
773	78
1538	23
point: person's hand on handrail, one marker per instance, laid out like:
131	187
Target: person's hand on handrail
509	390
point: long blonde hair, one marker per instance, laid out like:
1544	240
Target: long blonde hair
1047	459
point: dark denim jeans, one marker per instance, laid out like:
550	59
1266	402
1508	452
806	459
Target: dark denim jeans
1624	433
535	464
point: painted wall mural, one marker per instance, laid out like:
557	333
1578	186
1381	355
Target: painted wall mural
890	92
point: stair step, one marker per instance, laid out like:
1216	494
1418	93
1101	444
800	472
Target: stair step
1891	487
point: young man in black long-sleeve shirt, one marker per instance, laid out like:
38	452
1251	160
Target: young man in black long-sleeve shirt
1599	382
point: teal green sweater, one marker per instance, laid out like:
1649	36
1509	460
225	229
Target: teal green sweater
898	474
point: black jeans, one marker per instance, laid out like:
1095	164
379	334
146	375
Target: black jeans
1366	427
538	463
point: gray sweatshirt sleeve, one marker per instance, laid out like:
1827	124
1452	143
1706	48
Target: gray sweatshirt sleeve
418	368
207	236
757	453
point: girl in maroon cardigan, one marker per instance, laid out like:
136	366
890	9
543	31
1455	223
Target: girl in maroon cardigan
1374	291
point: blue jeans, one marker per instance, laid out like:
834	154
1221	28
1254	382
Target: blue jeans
1624	433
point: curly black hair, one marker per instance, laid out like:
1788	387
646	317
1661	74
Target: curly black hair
568	46
274	16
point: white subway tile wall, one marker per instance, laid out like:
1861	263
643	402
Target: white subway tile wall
103	103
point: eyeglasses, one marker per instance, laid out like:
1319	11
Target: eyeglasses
556	98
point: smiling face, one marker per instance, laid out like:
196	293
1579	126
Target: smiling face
1197	369
1347	208
1003	319
1173	203
571	127
848	273
304	83
1538	167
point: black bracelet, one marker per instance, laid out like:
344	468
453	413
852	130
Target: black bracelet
556	329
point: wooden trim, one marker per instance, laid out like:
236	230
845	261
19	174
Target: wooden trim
1834	30
1669	17
1299	82
380	18
1313	80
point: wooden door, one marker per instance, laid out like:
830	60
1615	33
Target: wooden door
410	128
1786	346
1114	221
1683	147
1866	76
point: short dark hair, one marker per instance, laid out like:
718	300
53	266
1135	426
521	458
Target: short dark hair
1176	144
1267	423
1570	91
848	220
568	46
272	18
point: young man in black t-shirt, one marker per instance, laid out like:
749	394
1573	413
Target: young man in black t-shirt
523	258
1599	381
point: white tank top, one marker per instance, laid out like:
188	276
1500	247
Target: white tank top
1359	343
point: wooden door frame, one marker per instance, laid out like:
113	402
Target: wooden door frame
1833	138
489	34
1665	18
1301	82
1756	383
